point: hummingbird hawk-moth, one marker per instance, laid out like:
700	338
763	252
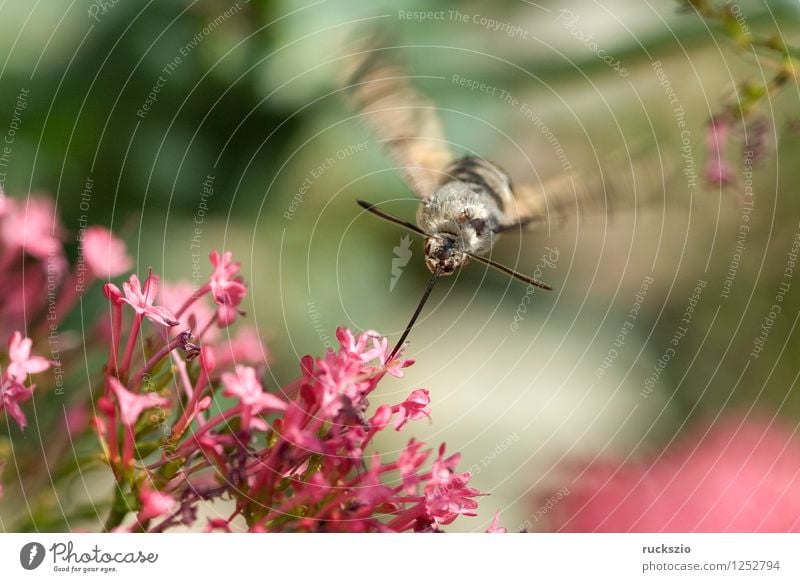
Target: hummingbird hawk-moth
466	202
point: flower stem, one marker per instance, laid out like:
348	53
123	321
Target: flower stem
134	334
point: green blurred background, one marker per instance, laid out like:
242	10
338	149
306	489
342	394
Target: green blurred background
254	104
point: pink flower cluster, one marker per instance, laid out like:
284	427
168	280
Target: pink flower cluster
38	288
740	475
719	138
717	170
183	418
291	463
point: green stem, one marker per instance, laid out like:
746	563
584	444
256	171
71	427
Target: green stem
119	510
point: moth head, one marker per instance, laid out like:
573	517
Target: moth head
443	250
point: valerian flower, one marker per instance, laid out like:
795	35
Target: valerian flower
243	384
142	298
227	287
446	494
717	170
22	361
13	380
413	408
131	406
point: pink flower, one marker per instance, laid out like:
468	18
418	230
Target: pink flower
245	385
226	287
381	418
12	382
104	254
22	362
450	498
132	405
154	503
33	226
717	171
356	347
742	475
380	351
446	494
415	407
494	527
142	300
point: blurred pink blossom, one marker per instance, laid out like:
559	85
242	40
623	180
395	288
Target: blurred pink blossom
77	418
741	475
105	255
195	317
717	170
244	347
32	226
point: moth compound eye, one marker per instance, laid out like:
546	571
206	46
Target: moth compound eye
478	224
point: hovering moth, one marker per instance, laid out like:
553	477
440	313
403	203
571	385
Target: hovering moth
467	202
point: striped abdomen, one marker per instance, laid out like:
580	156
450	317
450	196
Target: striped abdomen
483	175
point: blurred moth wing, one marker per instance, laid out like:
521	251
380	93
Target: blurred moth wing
403	120
624	183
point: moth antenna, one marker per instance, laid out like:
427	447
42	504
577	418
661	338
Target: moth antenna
510	271
414	317
391	218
